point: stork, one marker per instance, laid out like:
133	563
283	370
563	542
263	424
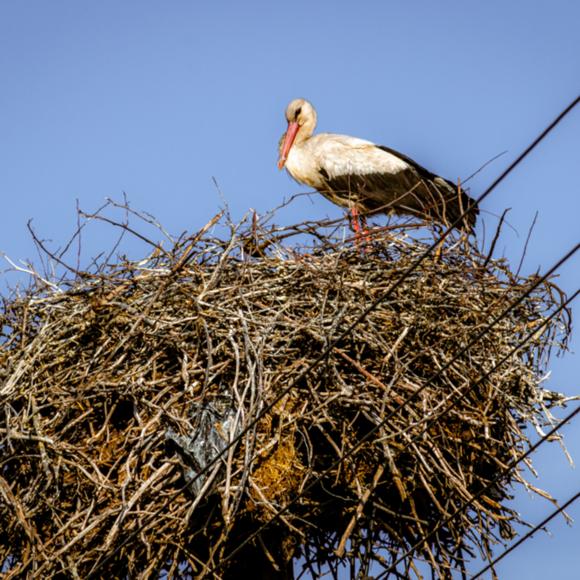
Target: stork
367	178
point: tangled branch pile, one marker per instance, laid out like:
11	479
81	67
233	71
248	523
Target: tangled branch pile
121	385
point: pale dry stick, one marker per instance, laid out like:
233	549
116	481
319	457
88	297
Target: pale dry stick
42	248
100	432
125	227
11	434
77	234
142	215
149	482
200	496
75	421
469	177
231	434
99	480
11	500
269	556
37	346
249	446
369	376
32	273
359	510
254	357
270	507
393	350
528	237
84	532
218	269
70	522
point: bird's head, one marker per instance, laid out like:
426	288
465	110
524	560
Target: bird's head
301	117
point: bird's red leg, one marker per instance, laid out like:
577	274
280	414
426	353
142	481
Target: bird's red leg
355	223
365	231
359	225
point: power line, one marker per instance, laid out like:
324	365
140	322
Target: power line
372	431
527	536
508	467
475	496
353	325
406	273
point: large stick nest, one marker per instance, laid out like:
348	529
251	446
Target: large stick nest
121	385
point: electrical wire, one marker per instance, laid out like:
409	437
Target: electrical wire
527	536
375	428
475	496
500	475
325	352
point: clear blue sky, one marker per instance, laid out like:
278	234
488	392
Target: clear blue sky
154	98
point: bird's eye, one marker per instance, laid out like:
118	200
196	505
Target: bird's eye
298	111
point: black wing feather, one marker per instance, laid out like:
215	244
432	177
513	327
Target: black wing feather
413	191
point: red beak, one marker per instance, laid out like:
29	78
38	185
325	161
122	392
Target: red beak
293	127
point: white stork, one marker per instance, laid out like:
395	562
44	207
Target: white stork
367	178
